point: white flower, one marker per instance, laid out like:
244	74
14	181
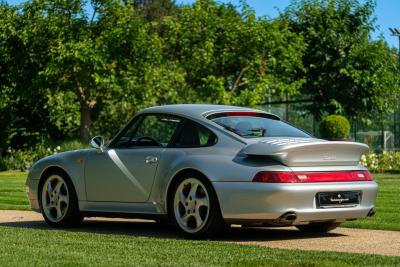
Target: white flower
58	148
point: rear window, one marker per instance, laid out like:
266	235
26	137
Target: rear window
253	125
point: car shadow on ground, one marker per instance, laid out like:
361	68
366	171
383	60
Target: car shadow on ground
165	230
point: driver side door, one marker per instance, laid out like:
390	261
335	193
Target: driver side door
125	170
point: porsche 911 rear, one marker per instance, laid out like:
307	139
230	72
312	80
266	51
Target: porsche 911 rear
312	182
298	197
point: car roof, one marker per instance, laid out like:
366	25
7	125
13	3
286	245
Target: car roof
198	111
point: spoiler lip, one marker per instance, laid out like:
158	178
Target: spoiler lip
307	151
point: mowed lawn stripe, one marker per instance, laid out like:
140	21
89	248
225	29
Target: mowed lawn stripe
25	246
387	216
12	191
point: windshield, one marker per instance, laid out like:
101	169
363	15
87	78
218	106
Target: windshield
253	125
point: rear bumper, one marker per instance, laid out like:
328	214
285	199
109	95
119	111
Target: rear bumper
262	202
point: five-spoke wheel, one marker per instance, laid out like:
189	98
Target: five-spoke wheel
191	204
195	207
58	201
55	198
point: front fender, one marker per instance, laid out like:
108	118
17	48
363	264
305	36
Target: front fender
72	162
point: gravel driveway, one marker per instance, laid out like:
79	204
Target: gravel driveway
341	239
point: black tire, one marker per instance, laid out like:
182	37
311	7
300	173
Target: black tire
318	227
72	216
214	224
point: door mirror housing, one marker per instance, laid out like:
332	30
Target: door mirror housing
97	142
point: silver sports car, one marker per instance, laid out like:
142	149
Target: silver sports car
205	167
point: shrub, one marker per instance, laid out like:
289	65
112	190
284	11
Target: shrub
334	127
23	159
385	162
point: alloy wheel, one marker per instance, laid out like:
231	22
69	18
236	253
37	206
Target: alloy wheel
55	198
191	205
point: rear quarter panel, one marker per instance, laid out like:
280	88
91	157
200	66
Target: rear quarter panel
219	163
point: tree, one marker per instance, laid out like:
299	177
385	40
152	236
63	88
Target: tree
84	72
156	10
86	55
23	115
230	56
344	70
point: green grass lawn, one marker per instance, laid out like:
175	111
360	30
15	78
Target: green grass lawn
35	244
387	217
45	247
12	191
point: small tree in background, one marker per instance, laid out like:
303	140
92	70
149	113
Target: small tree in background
334	127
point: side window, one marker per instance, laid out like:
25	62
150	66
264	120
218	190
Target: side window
193	134
152	130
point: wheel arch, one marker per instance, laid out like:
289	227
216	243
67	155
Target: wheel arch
49	170
72	216
179	175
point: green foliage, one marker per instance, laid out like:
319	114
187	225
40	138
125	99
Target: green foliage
67	73
155	10
64	113
334	127
232	57
22	159
388	161
346	72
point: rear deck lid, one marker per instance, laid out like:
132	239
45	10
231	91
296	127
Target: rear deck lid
298	152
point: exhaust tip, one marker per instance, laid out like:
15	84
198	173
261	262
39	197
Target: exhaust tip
289	217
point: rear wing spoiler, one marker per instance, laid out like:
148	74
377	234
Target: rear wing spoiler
308	152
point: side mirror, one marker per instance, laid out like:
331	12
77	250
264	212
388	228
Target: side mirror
97	142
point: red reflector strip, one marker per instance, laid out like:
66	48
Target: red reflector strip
311	177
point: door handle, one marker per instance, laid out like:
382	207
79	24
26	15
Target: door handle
151	159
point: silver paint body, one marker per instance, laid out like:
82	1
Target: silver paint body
136	181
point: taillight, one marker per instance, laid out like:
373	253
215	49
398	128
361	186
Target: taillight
362	175
275	177
311	177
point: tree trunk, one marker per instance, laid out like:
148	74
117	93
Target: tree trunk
86	106
86	121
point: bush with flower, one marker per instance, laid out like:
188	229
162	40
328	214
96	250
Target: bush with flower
23	159
388	161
